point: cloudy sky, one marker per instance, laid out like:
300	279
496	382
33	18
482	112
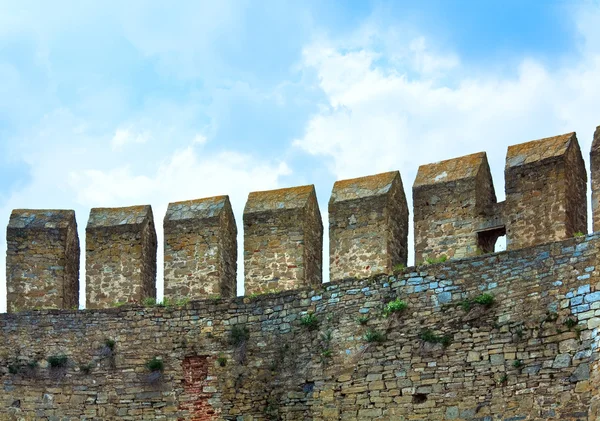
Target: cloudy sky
125	103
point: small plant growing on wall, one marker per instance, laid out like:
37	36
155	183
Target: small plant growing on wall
57	361
239	335
221	360
373	336
502	380
149	301
85	368
398	268
108	348
427	335
155	364
395	307
14	368
433	261
486	300
310	321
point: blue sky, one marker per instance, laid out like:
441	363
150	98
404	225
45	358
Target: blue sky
123	103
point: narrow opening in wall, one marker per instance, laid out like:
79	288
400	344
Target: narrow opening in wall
419	398
488	240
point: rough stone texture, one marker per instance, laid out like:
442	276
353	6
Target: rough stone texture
282	370
42	260
120	255
368	226
450	199
200	249
595	181
546	186
283	240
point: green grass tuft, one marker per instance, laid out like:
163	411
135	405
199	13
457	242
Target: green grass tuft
395	306
310	321
57	361
155	364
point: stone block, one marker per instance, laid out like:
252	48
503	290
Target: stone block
595	179
368	226
283	240
42	260
120	255
545	188
450	200
200	259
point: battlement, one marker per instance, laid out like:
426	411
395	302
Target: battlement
456	215
42	259
449	199
368	226
283	240
120	253
529	351
200	249
511	335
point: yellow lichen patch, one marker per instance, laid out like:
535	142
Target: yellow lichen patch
41	218
196	209
103	217
356	188
205	200
450	170
538	150
287	198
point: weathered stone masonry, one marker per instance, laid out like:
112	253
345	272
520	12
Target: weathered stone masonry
455	209
283	240
546	186
532	355
42	260
368	226
120	256
595	180
449	199
200	249
320	352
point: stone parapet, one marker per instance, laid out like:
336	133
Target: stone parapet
595	179
368	226
200	259
283	240
545	183
450	199
120	256
529	351
42	260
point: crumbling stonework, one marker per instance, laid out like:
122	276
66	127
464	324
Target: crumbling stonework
595	180
120	253
200	249
283	240
368	226
450	199
546	186
530	355
42	260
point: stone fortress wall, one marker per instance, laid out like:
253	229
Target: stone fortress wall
482	336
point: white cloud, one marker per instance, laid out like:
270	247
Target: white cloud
199	139
387	109
128	135
79	178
